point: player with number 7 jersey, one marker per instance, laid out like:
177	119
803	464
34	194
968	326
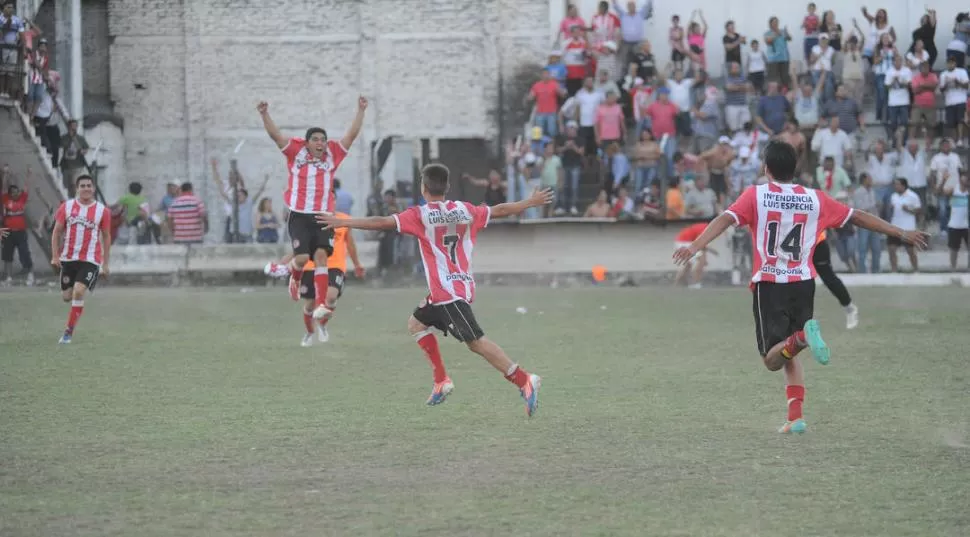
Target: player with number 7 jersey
785	221
446	232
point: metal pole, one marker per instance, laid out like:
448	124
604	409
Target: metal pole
77	76
234	181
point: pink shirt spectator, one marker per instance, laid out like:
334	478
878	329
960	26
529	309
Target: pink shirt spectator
609	121
663	119
925	99
546	93
569	22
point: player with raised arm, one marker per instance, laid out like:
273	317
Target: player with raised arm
786	221
311	163
446	232
81	245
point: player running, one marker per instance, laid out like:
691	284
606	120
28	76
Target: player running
311	163
446	231
785	221
81	243
698	262
822	261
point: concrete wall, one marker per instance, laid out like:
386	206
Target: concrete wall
186	76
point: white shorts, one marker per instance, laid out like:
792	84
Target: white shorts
678	245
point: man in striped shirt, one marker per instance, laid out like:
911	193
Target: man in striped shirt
187	217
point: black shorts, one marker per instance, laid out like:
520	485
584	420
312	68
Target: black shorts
309	291
955	114
307	235
822	254
780	310
455	318
79	271
955	236
718	183
16	240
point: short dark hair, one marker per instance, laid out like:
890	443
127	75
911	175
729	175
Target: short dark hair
135	188
781	160
83	177
904	182
754	41
435	179
313	130
186	187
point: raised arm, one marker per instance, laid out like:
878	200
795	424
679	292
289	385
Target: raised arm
374	223
351	135
537	199
218	179
271	129
874	223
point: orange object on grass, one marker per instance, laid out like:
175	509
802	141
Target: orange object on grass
599	273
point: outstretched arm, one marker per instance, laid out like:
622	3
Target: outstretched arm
714	229
355	127
379	223
271	129
874	223
537	199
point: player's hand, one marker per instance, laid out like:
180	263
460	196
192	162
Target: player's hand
329	221
56	263
362	103
542	197
4	232
359	272
919	239
105	271
262	107
684	254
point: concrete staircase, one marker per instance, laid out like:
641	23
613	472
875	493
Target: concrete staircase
20	148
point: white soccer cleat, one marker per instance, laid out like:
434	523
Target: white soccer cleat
307	340
321	311
322	335
851	316
276	270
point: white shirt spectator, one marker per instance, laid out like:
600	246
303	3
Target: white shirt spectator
882	171
756	61
946	163
588	101
913	169
898	81
680	93
916	60
954	95
902	219
831	144
754	140
823	60
958	209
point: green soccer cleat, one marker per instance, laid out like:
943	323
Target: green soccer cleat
813	336
793	427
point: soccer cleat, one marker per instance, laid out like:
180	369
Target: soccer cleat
323	335
321	311
66	338
795	426
813	336
307	340
851	317
440	392
294	289
530	392
276	270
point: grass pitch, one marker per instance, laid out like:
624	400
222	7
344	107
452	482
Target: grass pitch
188	412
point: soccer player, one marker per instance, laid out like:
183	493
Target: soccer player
311	163
446	231
81	244
822	260
785	221
684	238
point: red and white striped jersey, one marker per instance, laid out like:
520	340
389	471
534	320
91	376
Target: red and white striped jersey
38	66
785	222
310	185
187	215
82	230
446	232
605	27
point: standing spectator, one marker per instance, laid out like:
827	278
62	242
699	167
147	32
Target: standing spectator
733	41
663	123
14	204
806	103
675	37
632	29
752	138
743	172
882	62
73	163
553	175
375	201
736	109
343	202
707	118
641	97
912	167
810	26
832	28
646	158
572	19
898	80
268	225
619	168
716	160
847	110
820	62
39	67
42	113
545	93
953	84
138	222
12	29
757	62
605	85
793	136
235	183
606	62
956	230
188	217
832	142
945	168
854	68
700	201
882	168
610	125
674	200
878	27
776	39
864	199
917	56
832	179
587	103
605	25
926	34
574	56
679	94
246	227
557	69
388	238
696	37
923	114
645	62
905	206
572	162
495	187
773	109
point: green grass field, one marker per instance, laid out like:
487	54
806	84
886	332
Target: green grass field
195	412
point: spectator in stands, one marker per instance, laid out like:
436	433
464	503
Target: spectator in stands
267	224
524	176
706	121
832	142
641	97
599	208
605	25
878	26
675	37
773	109
776	39
898	80
905	206
572	151
645	62
917	56
696	41
793	136
571	19
632	27
847	109
553	175
923	114
953	84
926	34
375	201
736	109
623	208
187	217
73	162
545	93
881	166
743	172
607	62
663	115
42	112
834	29
733	41
821	68
700	201
750	137
646	157
832	179
854	70
388	239
605	84
137	213
610	125
14	206
716	160
11	28
650	206
843	239
674	199
810	25
864	199
171	192
679	89
495	187
912	167
945	168
882	62
343	202
957	227
587	102
757	62
575	50
39	67
619	168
